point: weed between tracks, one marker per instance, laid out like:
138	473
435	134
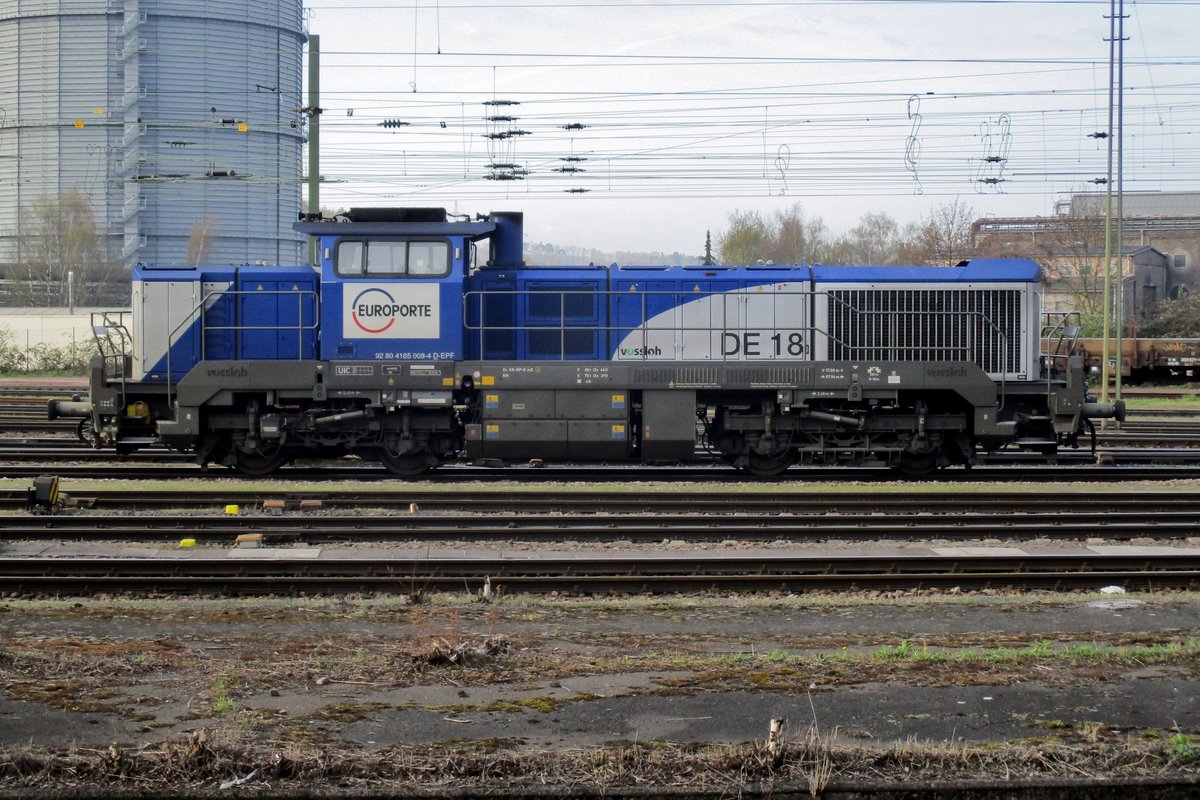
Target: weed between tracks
212	690
811	763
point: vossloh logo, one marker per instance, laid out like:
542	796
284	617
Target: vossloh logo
390	311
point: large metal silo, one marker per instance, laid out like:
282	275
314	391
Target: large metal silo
61	118
191	123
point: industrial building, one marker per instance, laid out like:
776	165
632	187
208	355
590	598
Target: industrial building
1159	254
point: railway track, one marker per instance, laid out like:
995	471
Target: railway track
779	504
609	528
321	551
1116	467
624	573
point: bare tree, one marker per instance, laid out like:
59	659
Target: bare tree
201	238
58	236
875	240
789	237
944	237
1073	255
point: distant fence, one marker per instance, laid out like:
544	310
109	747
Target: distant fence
46	339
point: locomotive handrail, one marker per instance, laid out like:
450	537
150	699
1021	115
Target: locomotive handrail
1062	332
203	305
114	341
966	351
1056	325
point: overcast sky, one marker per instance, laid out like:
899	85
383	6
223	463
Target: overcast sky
671	114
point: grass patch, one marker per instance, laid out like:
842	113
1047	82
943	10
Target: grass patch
349	712
1183	749
1187	402
534	608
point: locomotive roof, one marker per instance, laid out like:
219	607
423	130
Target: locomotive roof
977	270
472	230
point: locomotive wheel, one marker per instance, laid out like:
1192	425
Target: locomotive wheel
258	463
86	432
912	465
409	465
770	465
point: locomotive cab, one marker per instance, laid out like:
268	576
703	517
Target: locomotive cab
391	285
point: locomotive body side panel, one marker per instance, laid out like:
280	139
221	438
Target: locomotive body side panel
276	315
537	313
710	314
163	300
185	316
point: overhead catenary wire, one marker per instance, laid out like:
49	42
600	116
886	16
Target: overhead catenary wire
841	118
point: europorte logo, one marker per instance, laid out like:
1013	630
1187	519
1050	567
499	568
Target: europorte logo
393	311
376	307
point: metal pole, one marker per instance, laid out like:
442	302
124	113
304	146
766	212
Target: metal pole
1120	298
314	136
71	291
1108	271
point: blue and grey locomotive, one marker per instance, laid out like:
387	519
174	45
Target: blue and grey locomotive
408	346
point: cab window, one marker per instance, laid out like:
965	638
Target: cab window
392	258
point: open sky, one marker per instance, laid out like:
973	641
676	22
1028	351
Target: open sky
626	125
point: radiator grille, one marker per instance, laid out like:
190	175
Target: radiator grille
676	376
979	325
769	376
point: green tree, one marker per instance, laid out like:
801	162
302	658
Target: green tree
787	238
1173	319
744	242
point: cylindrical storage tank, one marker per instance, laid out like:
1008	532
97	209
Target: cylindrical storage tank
179	119
213	131
61	116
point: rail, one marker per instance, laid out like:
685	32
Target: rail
628	571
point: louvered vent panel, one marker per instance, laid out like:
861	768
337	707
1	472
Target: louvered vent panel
769	376
684	376
979	325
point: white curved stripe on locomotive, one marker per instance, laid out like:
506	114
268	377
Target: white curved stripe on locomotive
766	322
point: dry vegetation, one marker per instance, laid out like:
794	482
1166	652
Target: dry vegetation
195	694
230	757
